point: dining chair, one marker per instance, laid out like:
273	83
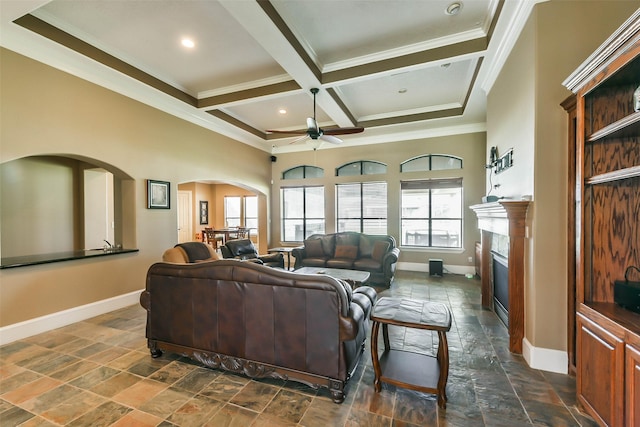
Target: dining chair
214	239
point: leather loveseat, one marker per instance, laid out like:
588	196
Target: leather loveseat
258	321
245	250
376	254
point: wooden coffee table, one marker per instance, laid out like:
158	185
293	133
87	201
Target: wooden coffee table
354	277
407	369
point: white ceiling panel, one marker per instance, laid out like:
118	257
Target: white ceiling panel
378	64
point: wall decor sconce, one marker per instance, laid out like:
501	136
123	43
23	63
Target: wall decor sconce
500	163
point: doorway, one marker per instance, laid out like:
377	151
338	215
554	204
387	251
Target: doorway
185	214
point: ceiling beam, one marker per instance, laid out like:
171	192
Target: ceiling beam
252	94
260	19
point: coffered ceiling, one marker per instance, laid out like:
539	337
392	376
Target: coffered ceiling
402	69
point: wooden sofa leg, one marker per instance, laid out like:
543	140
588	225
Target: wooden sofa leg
337	391
155	351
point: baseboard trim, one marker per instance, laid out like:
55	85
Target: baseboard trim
545	359
52	321
424	267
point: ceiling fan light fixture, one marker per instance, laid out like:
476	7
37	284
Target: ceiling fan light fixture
454	8
315	143
188	43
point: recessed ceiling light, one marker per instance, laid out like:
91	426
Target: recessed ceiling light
454	8
282	111
187	42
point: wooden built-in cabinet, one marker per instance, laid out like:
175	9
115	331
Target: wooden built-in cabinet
607	226
632	381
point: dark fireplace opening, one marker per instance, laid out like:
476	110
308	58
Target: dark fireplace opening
500	267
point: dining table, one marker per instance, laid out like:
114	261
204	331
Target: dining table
228	232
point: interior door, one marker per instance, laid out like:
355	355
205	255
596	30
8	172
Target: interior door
98	209
185	222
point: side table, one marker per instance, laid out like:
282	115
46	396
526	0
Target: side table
407	369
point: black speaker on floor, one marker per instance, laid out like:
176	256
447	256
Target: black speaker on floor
435	267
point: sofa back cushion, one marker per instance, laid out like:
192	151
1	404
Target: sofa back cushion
347	238
380	248
313	248
346	251
243	248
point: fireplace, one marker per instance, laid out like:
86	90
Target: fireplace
500	279
506	219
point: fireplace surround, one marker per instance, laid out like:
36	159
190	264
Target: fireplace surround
505	218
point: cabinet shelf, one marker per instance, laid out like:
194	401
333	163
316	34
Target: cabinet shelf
626	127
617	175
625	318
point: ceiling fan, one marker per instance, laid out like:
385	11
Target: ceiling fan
315	132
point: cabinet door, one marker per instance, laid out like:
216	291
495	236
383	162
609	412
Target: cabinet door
633	386
600	379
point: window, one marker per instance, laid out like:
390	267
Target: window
432	213
431	162
232	211
251	214
302	213
362	207
302	172
362	167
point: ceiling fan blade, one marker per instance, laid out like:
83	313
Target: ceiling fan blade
342	131
331	139
300	139
288	132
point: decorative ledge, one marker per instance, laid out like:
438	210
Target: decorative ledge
27	260
504	217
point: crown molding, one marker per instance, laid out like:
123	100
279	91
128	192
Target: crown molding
506	43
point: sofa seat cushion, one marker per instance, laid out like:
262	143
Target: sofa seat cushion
315	262
367	264
340	263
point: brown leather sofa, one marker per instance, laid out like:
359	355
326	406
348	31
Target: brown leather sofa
258	321
376	254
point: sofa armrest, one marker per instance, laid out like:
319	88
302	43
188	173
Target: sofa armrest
299	254
350	325
145	300
276	258
390	258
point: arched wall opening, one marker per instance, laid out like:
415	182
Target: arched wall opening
214	193
57	203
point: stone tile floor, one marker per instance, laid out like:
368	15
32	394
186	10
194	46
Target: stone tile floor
99	373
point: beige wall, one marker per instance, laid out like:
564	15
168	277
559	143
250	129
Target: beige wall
470	147
41	192
45	111
523	110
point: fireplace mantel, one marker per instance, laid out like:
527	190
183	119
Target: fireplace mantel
507	218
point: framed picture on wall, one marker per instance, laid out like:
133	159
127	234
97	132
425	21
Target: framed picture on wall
204	212
158	194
